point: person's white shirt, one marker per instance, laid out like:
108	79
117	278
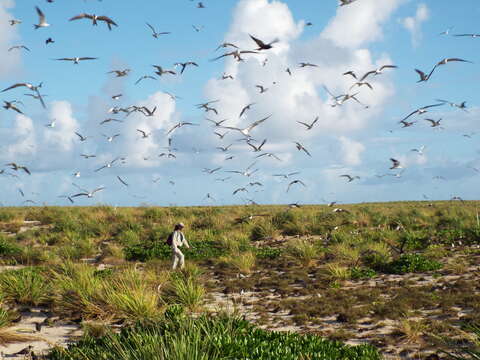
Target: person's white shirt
179	240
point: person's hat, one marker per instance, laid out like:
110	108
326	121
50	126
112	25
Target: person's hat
181	225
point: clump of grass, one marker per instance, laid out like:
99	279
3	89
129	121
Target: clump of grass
131	297
411	330
78	290
186	291
304	251
25	286
243	262
338	271
263	231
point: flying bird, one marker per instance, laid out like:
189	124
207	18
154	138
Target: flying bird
246	131
179	125
309	126
42	21
300	182
10	105
122	181
16	167
156	34
87	193
76	60
300	147
395	164
185	64
160	71
95	19
421	110
262	45
245	108
350	178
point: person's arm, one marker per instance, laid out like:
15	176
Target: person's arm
184	242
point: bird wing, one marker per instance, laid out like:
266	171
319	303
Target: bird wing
259	42
41	15
81	16
79	194
98	189
14	86
305	124
151	27
350	73
258	122
388	67
107	20
367	74
306	151
121	180
87	58
421	73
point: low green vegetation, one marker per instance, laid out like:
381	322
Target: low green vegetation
304	268
207	338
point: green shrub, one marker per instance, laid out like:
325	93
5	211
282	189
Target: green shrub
358	273
412	263
8	248
268	253
209	338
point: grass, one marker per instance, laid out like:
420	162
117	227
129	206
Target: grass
293	261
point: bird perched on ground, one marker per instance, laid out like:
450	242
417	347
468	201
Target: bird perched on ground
95	19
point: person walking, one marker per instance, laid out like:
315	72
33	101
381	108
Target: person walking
176	239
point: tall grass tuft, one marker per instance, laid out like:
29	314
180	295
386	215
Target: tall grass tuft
186	291
25	286
129	296
304	251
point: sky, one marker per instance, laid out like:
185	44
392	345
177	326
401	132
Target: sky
352	138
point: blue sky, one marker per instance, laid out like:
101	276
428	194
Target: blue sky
347	139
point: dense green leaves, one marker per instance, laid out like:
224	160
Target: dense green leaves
211	338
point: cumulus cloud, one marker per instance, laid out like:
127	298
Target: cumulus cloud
11	60
299	97
351	151
360	23
414	23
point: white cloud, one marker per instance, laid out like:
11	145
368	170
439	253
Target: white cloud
299	97
61	137
414	23
11	60
360	23
351	151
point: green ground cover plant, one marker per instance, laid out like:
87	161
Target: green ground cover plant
212	339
